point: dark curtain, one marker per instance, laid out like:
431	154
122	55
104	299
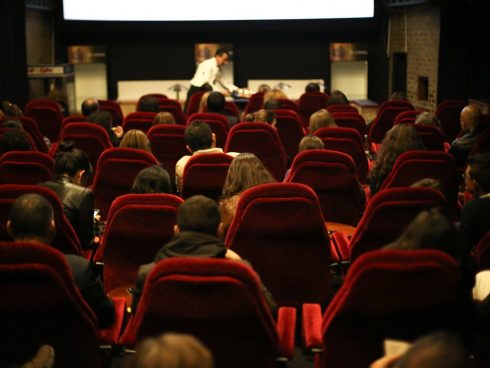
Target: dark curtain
464	52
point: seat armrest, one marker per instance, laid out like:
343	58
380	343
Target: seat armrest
312	327
341	242
286	327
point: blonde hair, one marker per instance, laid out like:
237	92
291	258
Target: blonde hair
135	138
321	119
274	94
164	117
203	104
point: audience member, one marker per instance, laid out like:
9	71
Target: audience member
137	139
265	116
32	220
203	103
216	104
164	117
274	94
14	140
8	108
89	106
309	142
199	139
104	119
153	179
475	219
73	167
312	87
148	103
272	104
399	139
321	119
428	119
461	146
12	124
171	350
430	183
263	88
245	171
398	95
337	98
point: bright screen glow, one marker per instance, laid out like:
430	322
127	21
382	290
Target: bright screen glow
215	10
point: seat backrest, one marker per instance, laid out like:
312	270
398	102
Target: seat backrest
168	145
43	306
140	124
431	137
73	119
193	104
290	130
280	229
255	103
391	294
310	102
217	300
332	175
114	109
231	109
409	114
47	117
160	97
116	170
415	165
448	112
349	141
217	122
263	141
26	167
138	225
31	128
341	108
352	120
205	174
384	121
144	115
65	239
388	213
287	104
175	108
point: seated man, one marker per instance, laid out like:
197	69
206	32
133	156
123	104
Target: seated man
470	121
196	235
32	220
199	139
216	104
89	106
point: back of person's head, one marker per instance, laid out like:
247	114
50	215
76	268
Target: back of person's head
246	171
203	103
14	140
216	102
430	183
263	88
321	119
428	119
309	142
31	217
439	349
264	116
102	118
337	98
398	95
69	160
274	94
164	117
137	139
399	139
479	171
153	179
171	350
12	124
89	106
148	104
272	104
10	109
431	229
206	87
198	135
199	213
312	87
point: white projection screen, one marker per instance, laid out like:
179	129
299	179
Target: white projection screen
215	10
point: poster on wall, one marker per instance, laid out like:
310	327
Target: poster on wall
86	54
348	52
204	51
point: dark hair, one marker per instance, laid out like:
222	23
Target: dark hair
68	160
153	179
148	104
101	117
337	98
199	213
312	87
216	102
30	217
89	106
480	171
10	109
309	142
272	104
221	51
12	124
430	183
198	135
14	140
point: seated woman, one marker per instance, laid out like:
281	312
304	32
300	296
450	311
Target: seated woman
136	139
245	171
164	117
153	179
72	168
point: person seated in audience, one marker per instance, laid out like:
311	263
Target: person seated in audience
14	140
216	104
265	116
153	179
164	117
272	104
199	139
470	122
427	118
436	350
104	119
263	88
8	108
475	215
32	220
12	124
321	119
137	139
399	139
73	167
337	98
312	87
398	95
430	183
246	171
89	106
274	94
203	103
170	350
309	142
148	104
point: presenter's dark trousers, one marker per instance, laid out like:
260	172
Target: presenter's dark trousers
192	90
